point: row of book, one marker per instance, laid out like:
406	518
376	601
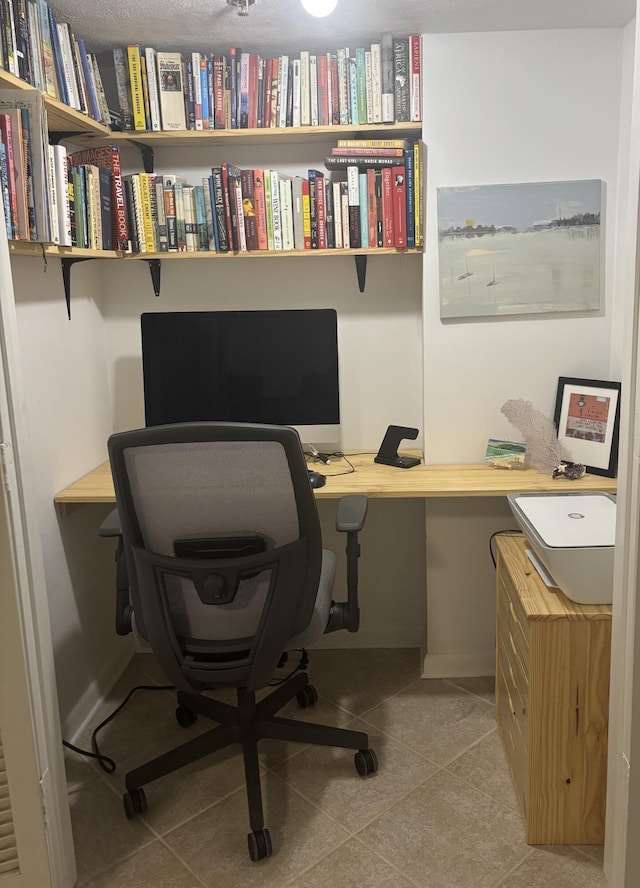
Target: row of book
241	90
245	210
45	53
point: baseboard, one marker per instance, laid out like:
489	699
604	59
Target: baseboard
373	638
85	708
459	665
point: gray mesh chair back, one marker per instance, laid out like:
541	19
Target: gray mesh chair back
223	546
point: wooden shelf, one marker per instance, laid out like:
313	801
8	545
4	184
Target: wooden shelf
271	254
269	135
31	248
60	117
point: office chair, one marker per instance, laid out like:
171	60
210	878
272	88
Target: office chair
221	567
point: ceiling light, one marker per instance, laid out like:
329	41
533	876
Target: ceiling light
319	8
242	5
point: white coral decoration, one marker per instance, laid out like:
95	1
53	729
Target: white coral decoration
538	431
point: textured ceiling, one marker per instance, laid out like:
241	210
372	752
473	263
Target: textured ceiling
283	25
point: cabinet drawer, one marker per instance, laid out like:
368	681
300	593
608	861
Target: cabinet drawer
515	745
510	609
515	688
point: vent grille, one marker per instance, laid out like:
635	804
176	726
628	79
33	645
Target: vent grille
9	864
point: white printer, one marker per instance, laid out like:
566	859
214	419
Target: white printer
572	536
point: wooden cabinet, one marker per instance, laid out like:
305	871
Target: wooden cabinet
552	701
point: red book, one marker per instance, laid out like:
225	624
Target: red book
367	152
261	208
399	206
323	91
372	217
109	156
387	207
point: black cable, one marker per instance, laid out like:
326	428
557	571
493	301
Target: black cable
511	532
107	764
338	454
301	666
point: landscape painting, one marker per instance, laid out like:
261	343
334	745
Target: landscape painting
526	248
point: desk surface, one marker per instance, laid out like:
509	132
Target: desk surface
376	480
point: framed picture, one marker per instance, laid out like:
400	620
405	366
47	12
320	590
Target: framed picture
587	417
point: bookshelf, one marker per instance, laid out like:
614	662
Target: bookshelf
60	117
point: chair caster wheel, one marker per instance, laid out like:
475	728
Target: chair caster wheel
135	802
259	844
307	696
366	762
185	716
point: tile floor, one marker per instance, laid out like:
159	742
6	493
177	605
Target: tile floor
440	812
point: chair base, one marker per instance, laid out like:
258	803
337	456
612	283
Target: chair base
246	724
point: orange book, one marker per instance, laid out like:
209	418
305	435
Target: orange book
260	208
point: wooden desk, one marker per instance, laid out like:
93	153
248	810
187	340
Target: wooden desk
376	480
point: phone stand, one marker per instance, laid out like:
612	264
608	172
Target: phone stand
388	453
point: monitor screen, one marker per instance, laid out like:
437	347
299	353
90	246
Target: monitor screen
278	367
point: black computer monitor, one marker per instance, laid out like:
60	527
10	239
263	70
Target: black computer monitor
278	367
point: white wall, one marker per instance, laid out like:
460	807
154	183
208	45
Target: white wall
68	410
507	107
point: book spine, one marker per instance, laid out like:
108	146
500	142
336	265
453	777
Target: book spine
295	75
275	210
275	83
106	224
329	220
361	85
415	86
152	85
51	55
334	119
419	192
122	81
170	88
305	95
352	69
212	243
364	209
410	198
399	207
314	175
342	161
367	152
200	215
376	82
372	234
401	79
298	223
368	85
219	209
190	224
323	91
61	177
306	214
387	207
78	74
343	91
67	66
353	196
249	209
379	209
344	209
373	143
233	84
12	199
286	212
388	111
204	92
127	185
137	95
53	197
313	90
162	244
268	206
218	91
283	86
337	215
170	215
254	64
90	85
244	90
261	208
321	212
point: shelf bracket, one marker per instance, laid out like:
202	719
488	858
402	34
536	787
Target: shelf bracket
154	268
147	155
56	138
361	271
67	262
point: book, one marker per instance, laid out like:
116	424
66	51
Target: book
388	110
68	69
54	220
305	95
104	181
372	221
353	198
401	79
361	85
341	162
268	204
388	207
200	215
212	243
219	209
367	152
410	198
160	231
61	176
261	208
275	210
316	180
398	174
170	88
364	209
109	156
249	209
286	211
329	215
137	94
374	143
376	82
297	185
121	66
415	84
190	223
13	228
51	54
146	198
170	213
152	86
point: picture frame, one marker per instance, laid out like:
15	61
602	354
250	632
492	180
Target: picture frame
587	419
